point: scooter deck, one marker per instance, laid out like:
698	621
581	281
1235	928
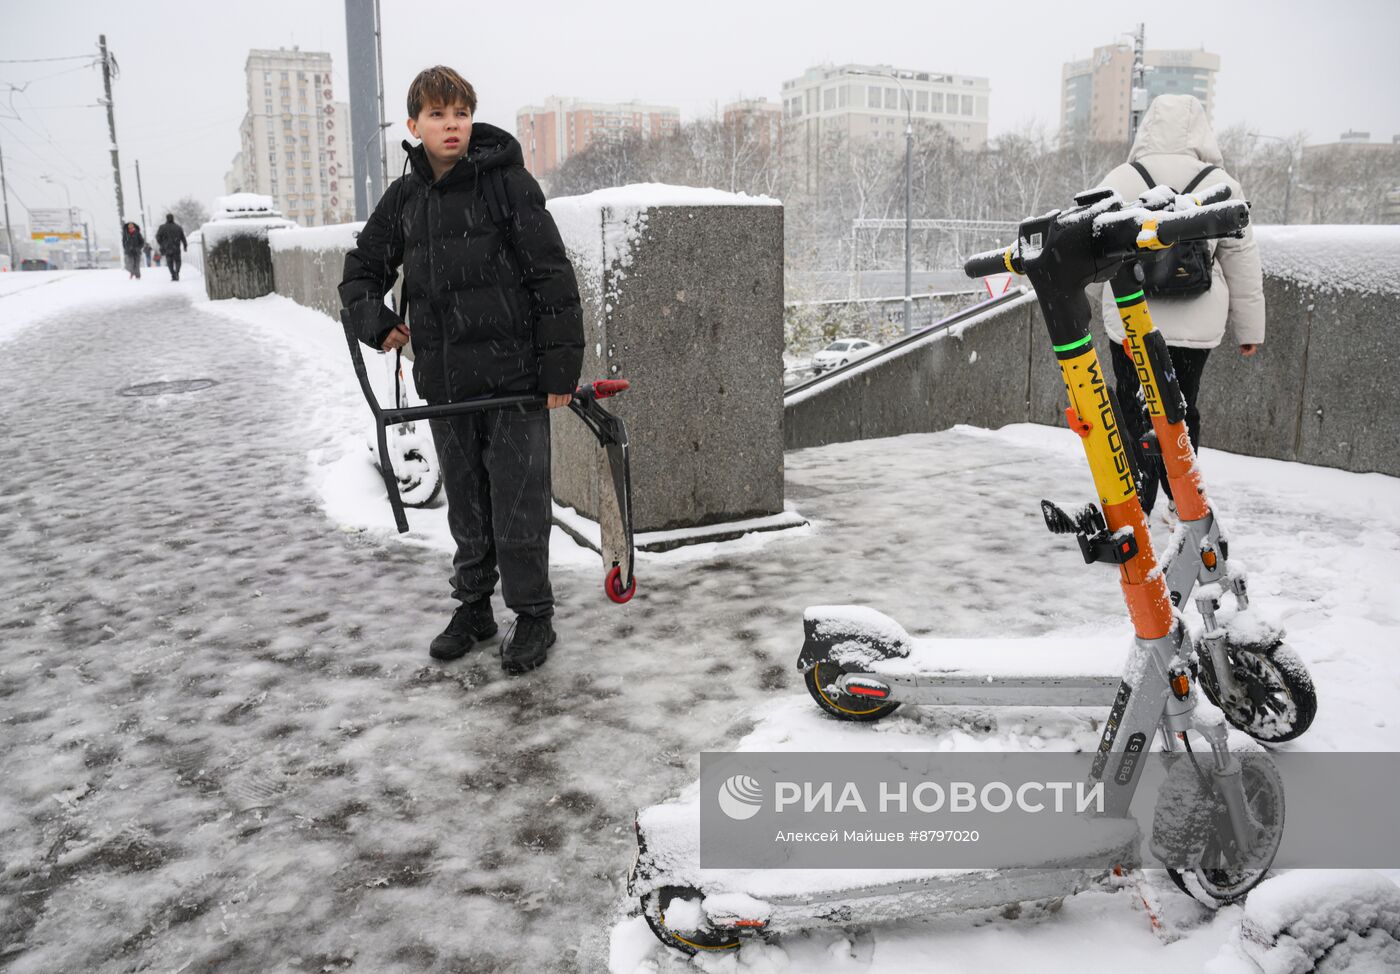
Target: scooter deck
782	900
1042	672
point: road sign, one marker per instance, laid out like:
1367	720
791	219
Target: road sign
53	225
998	283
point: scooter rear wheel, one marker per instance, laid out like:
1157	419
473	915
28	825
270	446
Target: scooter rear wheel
654	907
1279	702
840	705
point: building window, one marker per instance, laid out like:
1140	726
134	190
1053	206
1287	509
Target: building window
935	102
828	99
873	97
891	97
967	104
843	96
921	101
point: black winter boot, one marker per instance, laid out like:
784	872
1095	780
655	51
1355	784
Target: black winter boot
471	623
527	644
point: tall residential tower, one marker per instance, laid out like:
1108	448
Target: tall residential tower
295	139
1095	93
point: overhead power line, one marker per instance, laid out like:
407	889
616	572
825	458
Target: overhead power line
41	60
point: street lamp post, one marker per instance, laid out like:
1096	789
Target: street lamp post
908	202
364	152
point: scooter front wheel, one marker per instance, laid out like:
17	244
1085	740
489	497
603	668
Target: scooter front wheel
842	706
1216	882
705	938
1277	701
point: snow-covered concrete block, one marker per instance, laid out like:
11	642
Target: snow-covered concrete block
237	260
683	296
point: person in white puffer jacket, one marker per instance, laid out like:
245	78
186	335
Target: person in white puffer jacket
1174	144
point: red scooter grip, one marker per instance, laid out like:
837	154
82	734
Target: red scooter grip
604	388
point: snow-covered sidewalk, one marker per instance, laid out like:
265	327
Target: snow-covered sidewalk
224	746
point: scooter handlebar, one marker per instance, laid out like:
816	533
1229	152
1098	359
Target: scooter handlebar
1224	219
992	262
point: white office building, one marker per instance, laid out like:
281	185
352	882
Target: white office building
872	102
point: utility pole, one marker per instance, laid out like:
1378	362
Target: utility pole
1137	97
141	200
108	63
5	192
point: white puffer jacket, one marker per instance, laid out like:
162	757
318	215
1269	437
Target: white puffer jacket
1174	142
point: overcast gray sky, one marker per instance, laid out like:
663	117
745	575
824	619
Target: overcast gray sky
1286	66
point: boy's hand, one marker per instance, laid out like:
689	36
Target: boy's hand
555	400
1248	350
397	338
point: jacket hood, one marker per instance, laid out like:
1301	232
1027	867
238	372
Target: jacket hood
489	148
1174	125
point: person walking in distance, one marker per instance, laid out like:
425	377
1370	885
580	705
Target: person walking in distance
1195	292
170	238
133	242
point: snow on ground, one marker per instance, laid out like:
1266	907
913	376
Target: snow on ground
31	296
225	748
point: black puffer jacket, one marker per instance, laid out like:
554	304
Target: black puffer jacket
170	237
494	308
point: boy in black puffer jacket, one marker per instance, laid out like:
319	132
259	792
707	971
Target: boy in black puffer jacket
493	307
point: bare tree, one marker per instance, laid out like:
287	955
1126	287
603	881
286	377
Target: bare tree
189	213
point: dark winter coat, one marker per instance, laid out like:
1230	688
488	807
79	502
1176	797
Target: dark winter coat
132	240
493	308
170	237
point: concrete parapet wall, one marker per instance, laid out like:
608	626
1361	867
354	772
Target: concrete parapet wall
974	372
683	296
308	263
1321	390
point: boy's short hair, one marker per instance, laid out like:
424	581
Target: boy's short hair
439	85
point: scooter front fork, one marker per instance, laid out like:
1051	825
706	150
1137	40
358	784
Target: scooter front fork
1227	774
1213	636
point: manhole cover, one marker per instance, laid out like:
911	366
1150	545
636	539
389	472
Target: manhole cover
171	388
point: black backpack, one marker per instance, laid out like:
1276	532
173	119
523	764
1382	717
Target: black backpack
1184	269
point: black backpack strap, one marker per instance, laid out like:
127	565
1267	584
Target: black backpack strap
1146	176
1199	176
493	187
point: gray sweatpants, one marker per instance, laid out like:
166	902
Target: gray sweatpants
496	475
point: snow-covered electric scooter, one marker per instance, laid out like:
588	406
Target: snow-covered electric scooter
695	909
1260	684
615	521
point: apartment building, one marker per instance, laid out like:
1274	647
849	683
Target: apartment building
871	103
1096	93
757	117
561	127
295	140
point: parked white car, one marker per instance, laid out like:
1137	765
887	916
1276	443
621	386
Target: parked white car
841	352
